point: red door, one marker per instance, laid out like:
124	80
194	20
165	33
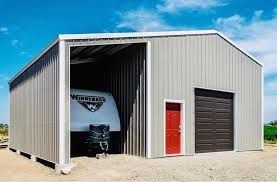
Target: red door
173	129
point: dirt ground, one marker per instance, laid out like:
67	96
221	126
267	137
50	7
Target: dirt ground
224	166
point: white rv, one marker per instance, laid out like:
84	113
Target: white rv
92	107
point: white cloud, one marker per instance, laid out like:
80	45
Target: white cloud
172	6
258	36
142	20
4	30
14	42
257	15
152	19
275	11
230	25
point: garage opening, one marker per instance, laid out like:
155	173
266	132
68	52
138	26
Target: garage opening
213	121
108	86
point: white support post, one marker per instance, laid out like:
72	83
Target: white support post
62	102
62	166
262	109
148	102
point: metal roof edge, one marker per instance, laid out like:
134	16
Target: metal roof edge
133	34
35	59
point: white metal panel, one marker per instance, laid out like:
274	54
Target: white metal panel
210	62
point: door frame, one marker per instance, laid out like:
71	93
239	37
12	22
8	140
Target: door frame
182	123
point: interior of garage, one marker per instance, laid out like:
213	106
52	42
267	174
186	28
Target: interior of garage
119	69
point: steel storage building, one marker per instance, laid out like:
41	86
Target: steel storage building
178	93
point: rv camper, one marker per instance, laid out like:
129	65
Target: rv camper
90	109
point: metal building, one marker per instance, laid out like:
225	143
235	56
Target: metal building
178	93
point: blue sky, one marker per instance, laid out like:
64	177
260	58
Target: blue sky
26	27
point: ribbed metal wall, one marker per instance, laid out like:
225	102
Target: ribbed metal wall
34	113
181	63
126	75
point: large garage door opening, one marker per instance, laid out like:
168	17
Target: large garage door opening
213	121
108	86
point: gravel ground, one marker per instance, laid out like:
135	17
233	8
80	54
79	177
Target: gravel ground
224	166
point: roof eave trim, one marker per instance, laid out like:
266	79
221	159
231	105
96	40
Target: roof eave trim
133	34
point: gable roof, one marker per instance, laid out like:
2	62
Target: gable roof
64	37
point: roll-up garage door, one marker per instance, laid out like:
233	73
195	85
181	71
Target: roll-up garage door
213	121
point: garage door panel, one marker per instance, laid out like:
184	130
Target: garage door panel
203	109
225	135
204	148
223	101
204	120
223	121
203	137
223	115
223	125
224	146
204	98
220	105
217	110
213	121
205	115
203	103
205	125
223	130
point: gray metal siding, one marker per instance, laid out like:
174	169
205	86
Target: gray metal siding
127	84
34	112
181	64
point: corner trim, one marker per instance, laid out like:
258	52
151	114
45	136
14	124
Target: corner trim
62	102
148	101
262	108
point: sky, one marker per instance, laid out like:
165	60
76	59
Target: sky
26	27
